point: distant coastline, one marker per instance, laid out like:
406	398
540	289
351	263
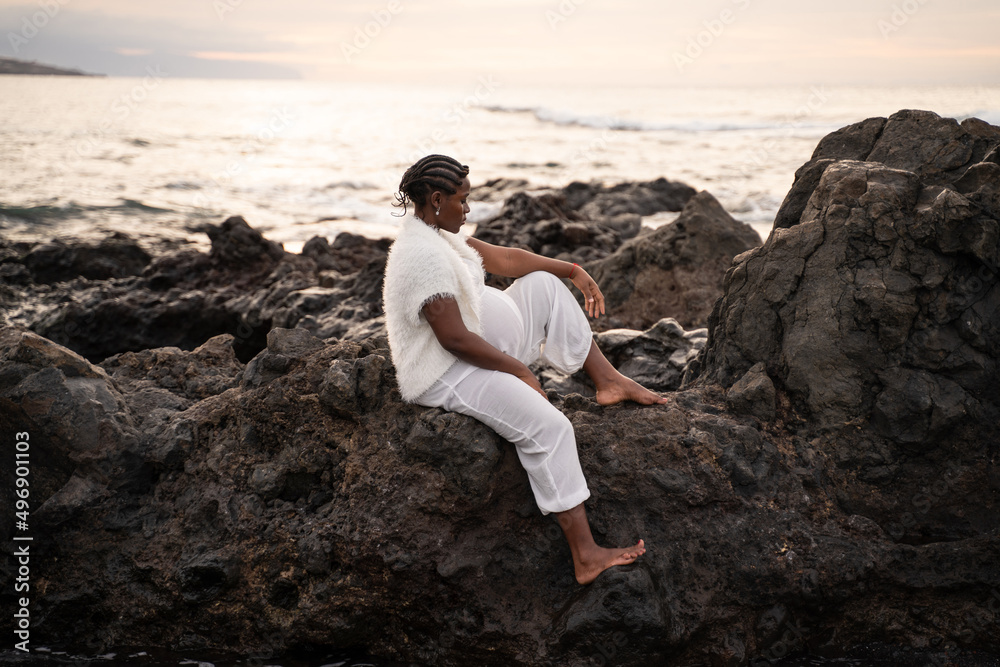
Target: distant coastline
14	66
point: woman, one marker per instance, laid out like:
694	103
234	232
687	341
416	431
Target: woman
465	347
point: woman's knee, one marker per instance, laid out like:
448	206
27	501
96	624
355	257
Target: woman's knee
536	284
543	278
555	423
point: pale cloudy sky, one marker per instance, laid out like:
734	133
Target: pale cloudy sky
670	42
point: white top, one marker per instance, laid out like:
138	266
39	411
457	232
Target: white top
423	264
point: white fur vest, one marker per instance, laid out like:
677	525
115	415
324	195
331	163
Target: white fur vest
425	263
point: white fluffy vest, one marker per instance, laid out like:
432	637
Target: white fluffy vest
425	263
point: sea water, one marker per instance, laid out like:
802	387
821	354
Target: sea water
157	157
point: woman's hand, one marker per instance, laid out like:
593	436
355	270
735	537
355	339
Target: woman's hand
528	378
593	298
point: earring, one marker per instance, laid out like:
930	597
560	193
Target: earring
437	212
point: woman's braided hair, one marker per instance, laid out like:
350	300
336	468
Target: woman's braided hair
434	172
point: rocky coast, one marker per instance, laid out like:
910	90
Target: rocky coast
220	457
25	67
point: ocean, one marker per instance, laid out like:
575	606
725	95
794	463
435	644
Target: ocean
155	157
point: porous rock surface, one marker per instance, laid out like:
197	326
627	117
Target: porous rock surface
881	304
296	502
674	271
876	316
244	286
582	221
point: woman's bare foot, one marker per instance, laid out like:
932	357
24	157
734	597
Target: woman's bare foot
591	562
622	389
612	386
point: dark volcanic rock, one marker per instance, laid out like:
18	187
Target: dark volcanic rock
581	221
753	394
877	319
881	304
349	253
546	225
117	256
938	150
245	286
234	242
597	201
498	189
307	506
160	382
656	358
675	271
76	418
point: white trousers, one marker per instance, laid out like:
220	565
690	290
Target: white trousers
535	318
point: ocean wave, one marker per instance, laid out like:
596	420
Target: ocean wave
44	212
350	185
182	185
570	119
991	116
38	213
133	204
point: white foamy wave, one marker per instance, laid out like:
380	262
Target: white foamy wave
568	119
991	116
484	211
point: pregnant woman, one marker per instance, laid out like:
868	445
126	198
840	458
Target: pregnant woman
465	347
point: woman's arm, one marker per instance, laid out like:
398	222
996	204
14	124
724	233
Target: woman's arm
445	319
515	262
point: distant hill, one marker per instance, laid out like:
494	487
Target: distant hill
13	66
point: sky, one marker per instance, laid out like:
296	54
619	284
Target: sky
623	42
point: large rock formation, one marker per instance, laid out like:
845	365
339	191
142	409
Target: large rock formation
881	304
297	502
582	221
940	151
877	318
675	271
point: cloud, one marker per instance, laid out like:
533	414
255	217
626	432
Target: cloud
527	41
116	45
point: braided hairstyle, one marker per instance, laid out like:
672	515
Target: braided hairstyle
434	172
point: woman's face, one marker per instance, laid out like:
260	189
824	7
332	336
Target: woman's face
453	208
